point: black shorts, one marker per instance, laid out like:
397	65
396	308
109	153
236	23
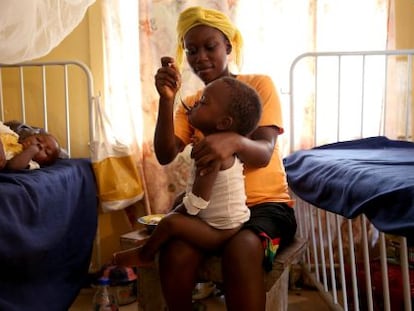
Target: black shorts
277	220
275	224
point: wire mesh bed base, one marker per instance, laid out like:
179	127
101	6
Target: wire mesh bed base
356	260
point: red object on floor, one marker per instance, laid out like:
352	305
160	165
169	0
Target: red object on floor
395	286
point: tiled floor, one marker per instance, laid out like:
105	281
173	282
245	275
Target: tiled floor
299	300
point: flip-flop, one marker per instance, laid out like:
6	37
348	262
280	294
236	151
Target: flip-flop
203	290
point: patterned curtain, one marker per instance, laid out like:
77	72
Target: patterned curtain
274	31
157	38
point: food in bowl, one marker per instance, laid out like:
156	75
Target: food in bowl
154	220
151	221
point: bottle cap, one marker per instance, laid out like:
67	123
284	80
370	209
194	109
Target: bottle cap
103	281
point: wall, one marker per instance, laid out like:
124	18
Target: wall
404	23
404	36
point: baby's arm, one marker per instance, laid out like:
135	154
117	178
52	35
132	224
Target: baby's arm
22	160
203	184
200	194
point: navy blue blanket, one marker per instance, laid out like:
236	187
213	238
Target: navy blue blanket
48	220
373	176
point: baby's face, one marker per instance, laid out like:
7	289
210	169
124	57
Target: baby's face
48	147
210	109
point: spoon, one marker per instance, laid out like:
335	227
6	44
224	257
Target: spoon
184	104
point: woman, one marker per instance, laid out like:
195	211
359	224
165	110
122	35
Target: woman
208	38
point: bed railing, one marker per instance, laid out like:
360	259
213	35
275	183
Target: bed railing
337	89
57	96
336	96
341	280
59	82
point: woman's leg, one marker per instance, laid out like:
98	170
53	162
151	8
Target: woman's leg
178	264
243	272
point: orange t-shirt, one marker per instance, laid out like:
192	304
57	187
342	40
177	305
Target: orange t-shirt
267	184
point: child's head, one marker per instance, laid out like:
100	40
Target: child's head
48	147
227	104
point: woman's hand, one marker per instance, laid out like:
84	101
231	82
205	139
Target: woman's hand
255	151
3	160
214	148
167	78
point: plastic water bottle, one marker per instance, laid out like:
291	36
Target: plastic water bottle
104	300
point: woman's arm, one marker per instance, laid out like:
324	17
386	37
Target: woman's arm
167	82
166	144
253	151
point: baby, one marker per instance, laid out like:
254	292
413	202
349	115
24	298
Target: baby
214	206
32	151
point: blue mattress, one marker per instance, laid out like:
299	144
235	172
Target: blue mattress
372	176
48	221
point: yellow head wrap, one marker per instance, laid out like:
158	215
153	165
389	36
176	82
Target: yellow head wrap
195	16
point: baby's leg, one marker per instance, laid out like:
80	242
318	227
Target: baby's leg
188	228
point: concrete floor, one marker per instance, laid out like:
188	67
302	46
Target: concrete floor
305	300
299	300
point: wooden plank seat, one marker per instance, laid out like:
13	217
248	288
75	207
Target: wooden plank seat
150	296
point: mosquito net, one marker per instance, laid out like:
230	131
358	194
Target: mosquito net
31	28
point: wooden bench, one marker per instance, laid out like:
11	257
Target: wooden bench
150	296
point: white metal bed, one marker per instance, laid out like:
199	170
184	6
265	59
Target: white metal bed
33	85
373	92
48	216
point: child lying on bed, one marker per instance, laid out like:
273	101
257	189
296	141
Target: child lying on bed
29	151
214	207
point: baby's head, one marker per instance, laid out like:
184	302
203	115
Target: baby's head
227	104
48	145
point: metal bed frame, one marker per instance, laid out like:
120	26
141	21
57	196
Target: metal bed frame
323	264
44	67
62	71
